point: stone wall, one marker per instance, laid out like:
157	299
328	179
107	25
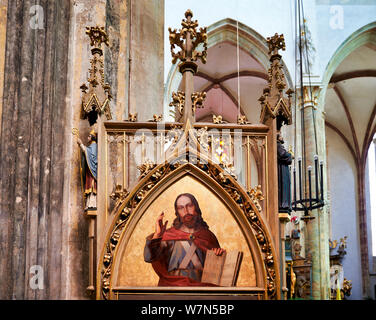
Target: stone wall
32	143
41	204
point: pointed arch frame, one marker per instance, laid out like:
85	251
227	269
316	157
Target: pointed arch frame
244	207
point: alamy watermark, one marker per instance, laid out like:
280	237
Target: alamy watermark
37	17
336	20
223	147
37	277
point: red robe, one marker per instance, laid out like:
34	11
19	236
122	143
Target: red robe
203	238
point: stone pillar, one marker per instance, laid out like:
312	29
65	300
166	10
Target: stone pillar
32	149
317	229
84	13
3	32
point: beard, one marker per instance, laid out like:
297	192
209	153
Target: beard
189	220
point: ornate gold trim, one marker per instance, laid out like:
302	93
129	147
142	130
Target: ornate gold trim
245	204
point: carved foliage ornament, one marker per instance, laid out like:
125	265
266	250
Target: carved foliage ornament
97	36
217	119
155	176
275	43
188	39
178	100
197	100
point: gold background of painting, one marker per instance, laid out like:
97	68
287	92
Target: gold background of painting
135	272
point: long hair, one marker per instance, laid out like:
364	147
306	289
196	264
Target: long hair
200	221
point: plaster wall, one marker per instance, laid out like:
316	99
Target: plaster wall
343	204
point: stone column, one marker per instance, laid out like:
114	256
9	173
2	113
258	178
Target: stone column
317	229
84	13
32	148
3	32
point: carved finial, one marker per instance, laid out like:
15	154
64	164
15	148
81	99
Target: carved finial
97	36
188	39
188	13
275	43
97	95
273	101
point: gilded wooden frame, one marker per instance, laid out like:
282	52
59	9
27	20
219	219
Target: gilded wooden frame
244	206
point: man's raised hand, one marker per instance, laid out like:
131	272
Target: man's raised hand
160	227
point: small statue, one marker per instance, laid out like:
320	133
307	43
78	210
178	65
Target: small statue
284	181
88	170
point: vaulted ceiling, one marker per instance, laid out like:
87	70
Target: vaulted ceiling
219	79
350	103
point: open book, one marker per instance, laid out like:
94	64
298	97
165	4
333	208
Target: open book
222	270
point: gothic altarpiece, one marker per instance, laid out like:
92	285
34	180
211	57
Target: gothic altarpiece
142	166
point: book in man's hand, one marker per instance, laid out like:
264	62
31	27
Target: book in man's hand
222	270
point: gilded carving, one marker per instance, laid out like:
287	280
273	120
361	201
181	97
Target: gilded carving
178	100
203	138
174	134
146	167
132	117
188	40
229	185
242	120
197	100
217	119
97	36
275	43
97	96
118	196
157	117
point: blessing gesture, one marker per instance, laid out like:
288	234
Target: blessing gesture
160	227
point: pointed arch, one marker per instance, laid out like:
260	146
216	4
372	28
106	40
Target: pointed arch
365	36
244	208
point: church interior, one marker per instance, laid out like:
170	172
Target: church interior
173	149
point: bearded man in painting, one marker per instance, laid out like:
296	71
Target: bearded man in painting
178	254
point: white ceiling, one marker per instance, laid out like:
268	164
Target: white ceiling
350	102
